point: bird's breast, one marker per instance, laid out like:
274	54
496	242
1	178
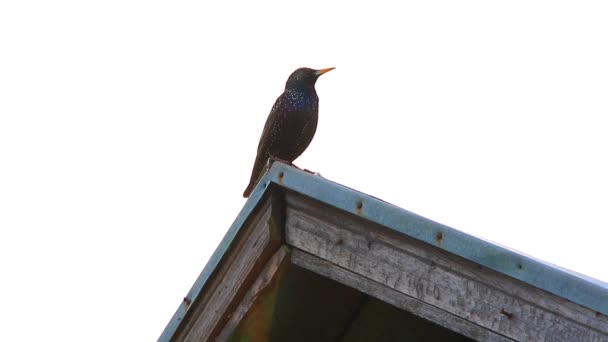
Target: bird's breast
302	100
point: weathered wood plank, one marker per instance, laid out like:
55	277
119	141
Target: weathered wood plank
487	298
251	249
396	298
267	278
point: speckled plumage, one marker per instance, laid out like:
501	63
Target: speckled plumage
291	124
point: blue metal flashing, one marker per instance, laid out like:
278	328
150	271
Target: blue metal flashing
580	289
583	290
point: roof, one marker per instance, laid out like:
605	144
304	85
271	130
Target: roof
580	289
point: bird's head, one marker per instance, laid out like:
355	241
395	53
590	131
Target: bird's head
304	77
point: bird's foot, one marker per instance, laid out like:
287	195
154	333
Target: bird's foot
281	160
273	158
318	174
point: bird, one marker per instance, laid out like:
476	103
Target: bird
291	124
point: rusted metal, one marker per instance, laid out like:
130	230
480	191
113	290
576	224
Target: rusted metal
439	238
359	207
280	178
509	315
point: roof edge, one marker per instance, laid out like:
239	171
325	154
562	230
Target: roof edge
570	285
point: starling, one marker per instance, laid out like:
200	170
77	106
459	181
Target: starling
291	124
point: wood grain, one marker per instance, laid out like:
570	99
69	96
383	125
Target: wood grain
263	281
247	255
491	300
396	298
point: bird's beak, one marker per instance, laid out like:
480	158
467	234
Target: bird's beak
322	71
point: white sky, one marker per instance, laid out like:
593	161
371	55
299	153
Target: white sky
128	130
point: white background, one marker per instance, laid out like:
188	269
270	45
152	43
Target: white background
128	130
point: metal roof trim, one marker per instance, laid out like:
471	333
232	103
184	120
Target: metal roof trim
580	289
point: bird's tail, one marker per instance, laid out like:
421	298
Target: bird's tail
258	166
249	188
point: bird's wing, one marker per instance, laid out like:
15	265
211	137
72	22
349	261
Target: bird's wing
266	141
268	136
